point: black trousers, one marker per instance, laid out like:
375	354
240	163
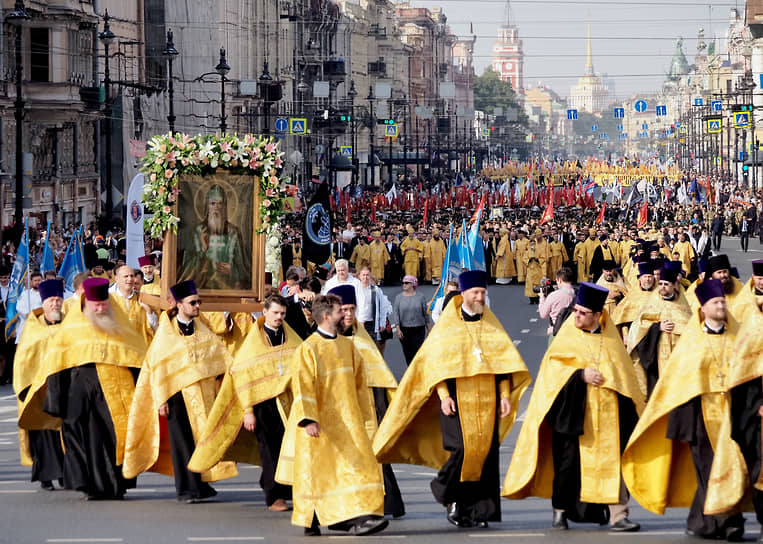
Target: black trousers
47	455
717	240
269	433
744	240
412	339
393	499
188	485
480	500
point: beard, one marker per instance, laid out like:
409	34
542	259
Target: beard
54	316
104	322
216	222
728	286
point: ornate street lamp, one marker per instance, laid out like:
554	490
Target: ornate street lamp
222	68
170	52
351	94
107	37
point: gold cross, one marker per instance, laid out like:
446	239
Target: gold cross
477	353
720	375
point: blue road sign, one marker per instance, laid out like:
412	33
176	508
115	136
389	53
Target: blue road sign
716	105
698	102
619	128
603	135
661	111
644	126
282	125
640	106
619	113
572	114
741	155
594	128
390	131
298	125
678	125
346	151
742	119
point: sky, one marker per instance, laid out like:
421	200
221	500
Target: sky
633	41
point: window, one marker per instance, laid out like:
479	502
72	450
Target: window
39	39
80	56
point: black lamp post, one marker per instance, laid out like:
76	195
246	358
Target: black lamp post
222	68
351	94
265	81
107	37
17	18
170	52
372	157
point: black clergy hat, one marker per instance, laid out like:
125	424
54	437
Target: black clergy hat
717	262
757	267
472	278
608	264
645	268
592	296
668	274
346	292
51	288
709	289
183	289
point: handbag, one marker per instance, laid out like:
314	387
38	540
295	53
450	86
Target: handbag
386	332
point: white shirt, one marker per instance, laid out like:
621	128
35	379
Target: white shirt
364	296
28	300
333	282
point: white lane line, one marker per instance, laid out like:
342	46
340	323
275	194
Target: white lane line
8	397
365	537
8	433
238	489
496	534
145	490
525	331
9	420
16	491
3	482
533	320
424	473
85	540
648	533
225	538
521	417
517	342
7	409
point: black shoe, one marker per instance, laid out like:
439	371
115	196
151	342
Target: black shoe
735	534
760	537
61	482
480	524
625	526
559	521
454	516
369	527
47	485
312	531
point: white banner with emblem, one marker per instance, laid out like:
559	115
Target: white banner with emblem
135	245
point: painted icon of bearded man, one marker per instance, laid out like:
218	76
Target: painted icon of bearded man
217	258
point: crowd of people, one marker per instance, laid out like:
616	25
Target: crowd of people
650	386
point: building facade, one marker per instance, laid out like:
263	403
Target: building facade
590	94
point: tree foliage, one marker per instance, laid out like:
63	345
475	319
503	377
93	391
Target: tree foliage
490	93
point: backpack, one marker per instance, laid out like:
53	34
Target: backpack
564	314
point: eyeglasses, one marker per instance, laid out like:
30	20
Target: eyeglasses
407	283
196	302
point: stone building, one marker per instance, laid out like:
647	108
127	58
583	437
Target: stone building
590	94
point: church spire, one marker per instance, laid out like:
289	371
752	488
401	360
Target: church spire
589	59
507	14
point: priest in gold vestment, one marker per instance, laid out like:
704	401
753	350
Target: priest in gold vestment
379	379
583	407
751	296
504	260
326	454
40	446
687	423
456	403
246	422
437	250
718	267
630	306
141	315
612	282
412	250
379	256
657	328
91	369
534	259
176	388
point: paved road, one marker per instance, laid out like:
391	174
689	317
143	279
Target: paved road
150	513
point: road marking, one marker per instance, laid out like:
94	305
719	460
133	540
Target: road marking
371	536
85	540
9	420
648	533
226	538
238	489
521	417
507	535
8	397
517	342
8	433
533	320
13	482
525	331
6	409
145	490
16	491
424	473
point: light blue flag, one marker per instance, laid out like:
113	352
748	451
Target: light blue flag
73	262
451	267
48	262
466	250
475	243
19	276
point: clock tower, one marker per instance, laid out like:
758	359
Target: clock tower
508	57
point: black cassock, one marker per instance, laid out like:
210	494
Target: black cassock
47	453
566	418
478	500
75	395
648	352
687	424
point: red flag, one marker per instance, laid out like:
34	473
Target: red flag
349	212
426	211
548	215
479	209
643	215
373	211
600	219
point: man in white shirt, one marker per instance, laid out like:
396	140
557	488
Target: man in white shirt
342	276
28	300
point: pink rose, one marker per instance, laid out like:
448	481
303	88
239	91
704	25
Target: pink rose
168	173
166	209
266	203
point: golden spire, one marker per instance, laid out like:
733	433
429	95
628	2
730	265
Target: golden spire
589	60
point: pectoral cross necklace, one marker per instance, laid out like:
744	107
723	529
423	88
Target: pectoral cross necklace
477	351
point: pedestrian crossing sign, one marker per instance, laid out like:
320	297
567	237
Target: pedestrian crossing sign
346	151
713	126
390	131
684	130
297	125
742	119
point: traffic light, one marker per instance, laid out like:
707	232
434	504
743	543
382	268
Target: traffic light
742	107
385	121
345	118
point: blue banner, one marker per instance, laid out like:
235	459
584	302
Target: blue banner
19	276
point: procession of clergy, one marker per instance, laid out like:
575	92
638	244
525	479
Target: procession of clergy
653	391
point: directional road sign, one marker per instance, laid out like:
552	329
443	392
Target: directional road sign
572	114
644	126
594	128
485	132
713	126
741	119
619	128
298	125
661	111
603	135
716	105
390	131
640	106
698	102
346	151
282	124
619	113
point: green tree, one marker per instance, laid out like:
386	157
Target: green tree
490	92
